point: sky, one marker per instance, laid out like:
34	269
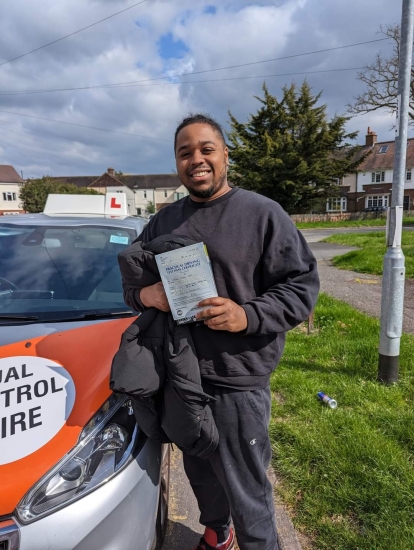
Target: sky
130	127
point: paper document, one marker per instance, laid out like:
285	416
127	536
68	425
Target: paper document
187	278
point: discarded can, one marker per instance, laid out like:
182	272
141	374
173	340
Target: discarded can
328	400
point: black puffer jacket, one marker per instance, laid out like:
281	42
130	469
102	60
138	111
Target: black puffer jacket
157	364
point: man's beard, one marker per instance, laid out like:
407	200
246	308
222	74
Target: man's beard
215	186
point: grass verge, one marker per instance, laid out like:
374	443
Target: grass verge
347	474
371	256
380	222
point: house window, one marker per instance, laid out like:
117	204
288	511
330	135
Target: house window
139	211
377	177
383	149
336	204
406	203
178	196
377	200
9	196
165	194
408	178
145	194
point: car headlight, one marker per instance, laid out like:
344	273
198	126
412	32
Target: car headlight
105	446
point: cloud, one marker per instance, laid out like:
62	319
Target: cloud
162	38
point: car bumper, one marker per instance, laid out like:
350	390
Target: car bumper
119	515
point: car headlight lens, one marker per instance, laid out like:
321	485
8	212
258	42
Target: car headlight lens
105	446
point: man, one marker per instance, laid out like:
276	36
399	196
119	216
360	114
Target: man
267	284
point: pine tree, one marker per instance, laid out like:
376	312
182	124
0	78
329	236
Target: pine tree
289	151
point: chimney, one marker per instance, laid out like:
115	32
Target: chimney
370	138
111	171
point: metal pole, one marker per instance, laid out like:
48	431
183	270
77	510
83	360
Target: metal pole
394	269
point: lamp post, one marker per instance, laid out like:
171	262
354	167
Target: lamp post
394	263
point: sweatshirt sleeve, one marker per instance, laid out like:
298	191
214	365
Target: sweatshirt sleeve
291	281
131	296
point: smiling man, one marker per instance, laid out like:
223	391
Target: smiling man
267	284
202	158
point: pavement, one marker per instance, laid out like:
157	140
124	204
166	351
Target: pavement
184	530
362	292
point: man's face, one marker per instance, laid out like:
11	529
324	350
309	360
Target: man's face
201	159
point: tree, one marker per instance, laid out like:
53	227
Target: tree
34	192
150	207
289	151
381	80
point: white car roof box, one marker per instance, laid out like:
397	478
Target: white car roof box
111	204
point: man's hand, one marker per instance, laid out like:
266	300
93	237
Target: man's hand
222	314
154	296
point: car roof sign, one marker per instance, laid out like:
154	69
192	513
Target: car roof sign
111	204
116	204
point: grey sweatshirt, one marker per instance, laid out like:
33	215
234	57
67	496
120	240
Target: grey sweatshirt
261	262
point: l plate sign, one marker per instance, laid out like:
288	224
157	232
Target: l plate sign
36	397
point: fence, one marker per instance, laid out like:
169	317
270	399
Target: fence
340	216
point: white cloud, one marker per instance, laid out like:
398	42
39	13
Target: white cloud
126	48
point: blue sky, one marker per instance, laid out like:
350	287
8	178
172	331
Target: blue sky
170	48
130	127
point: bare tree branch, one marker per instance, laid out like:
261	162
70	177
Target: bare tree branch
381	80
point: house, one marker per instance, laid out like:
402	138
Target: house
10	182
141	190
371	185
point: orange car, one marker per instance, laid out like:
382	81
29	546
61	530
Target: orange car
75	469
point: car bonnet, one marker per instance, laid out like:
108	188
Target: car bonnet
53	379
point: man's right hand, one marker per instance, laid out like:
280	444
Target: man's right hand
154	296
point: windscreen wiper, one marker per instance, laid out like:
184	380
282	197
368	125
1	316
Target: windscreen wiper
84	316
92	315
18	317
99	314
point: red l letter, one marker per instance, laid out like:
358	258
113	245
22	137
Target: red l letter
114	203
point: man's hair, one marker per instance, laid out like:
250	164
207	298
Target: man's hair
199	118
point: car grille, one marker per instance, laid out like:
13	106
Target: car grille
9	535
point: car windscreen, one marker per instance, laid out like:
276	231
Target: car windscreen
58	273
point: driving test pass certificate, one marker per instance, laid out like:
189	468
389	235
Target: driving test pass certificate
187	278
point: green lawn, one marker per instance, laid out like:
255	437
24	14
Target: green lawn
347	474
371	256
349	223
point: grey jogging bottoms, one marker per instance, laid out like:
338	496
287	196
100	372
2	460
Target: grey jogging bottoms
232	484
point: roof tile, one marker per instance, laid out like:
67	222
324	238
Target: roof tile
9	175
385	161
133	181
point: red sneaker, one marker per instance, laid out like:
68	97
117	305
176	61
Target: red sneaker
209	541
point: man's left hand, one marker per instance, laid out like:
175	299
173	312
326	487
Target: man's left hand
222	314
